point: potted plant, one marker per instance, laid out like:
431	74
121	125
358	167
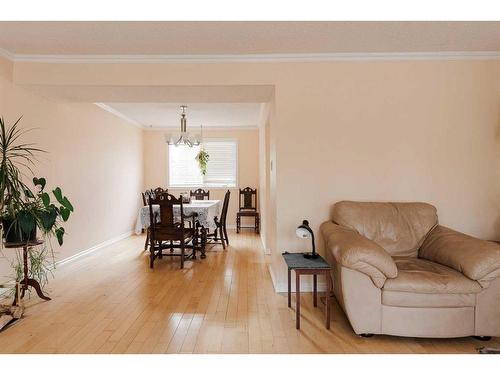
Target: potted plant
202	158
24	210
38	211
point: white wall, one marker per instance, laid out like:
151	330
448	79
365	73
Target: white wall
94	157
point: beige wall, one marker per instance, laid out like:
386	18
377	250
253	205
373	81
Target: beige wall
156	163
391	131
93	156
362	130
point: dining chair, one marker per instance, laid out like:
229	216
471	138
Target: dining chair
167	233
219	235
200	194
248	208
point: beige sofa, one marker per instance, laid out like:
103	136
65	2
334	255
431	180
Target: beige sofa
398	272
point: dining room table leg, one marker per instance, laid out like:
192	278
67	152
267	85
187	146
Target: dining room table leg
147	239
203	242
195	245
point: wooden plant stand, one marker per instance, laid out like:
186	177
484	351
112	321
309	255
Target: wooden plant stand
26	282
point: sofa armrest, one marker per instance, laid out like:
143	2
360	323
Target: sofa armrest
352	250
477	259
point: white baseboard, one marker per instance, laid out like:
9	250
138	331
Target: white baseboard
263	243
266	250
277	287
94	248
305	285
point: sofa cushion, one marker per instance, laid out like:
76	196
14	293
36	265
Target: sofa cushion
411	299
400	228
423	276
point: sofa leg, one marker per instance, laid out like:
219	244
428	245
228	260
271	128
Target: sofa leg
482	338
366	335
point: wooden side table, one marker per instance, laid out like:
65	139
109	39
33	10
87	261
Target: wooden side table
26	282
304	266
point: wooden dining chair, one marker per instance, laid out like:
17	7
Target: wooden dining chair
248	208
167	233
219	235
200	194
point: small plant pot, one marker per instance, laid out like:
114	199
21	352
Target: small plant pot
12	233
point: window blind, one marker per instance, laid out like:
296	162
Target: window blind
221	167
183	168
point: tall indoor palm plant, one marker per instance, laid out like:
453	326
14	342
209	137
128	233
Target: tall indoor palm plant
23	210
14	155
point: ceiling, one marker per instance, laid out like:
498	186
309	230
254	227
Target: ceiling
213	38
221	106
210	115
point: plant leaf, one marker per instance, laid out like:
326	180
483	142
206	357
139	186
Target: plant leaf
26	221
48	218
40	182
58	194
59	235
66	203
64	213
45	199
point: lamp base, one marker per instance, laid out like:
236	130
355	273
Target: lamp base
310	255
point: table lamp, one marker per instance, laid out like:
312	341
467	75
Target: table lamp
304	231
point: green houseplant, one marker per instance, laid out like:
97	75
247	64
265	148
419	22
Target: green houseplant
202	158
25	209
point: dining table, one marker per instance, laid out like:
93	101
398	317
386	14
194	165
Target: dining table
206	210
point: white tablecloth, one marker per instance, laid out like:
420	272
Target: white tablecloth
206	210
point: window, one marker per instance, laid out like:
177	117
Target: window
221	168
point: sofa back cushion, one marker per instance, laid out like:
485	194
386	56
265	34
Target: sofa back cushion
400	228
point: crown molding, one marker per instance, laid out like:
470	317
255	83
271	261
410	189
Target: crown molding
252	58
119	114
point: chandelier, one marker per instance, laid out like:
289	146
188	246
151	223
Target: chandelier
184	138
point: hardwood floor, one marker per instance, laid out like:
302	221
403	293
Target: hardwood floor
111	302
